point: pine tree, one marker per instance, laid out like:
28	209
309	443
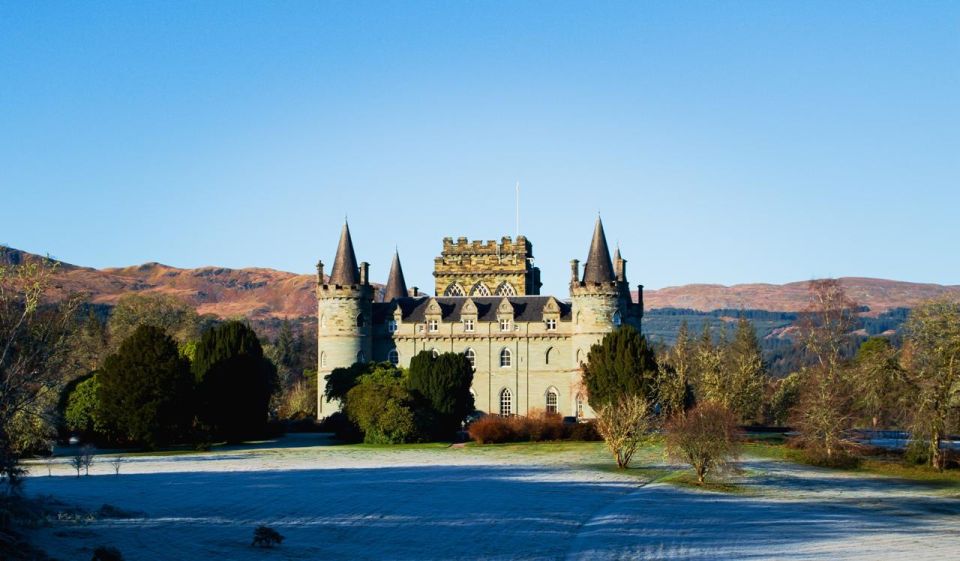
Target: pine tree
622	364
745	373
444	382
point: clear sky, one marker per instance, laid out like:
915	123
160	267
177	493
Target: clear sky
722	142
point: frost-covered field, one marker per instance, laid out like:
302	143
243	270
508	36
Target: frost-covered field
336	502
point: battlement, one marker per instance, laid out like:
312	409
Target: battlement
521	247
483	268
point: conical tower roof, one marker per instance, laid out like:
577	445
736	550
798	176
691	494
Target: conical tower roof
345	271
598	269
396	285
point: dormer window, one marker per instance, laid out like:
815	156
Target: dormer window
551	324
433	326
468	325
504	325
392	326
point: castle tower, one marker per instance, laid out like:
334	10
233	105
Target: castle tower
344	316
477	268
601	299
396	285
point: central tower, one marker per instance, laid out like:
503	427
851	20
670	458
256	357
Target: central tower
477	268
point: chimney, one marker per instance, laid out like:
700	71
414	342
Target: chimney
575	271
622	270
319	272
364	273
640	298
416	291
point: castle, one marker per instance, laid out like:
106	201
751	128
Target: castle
526	349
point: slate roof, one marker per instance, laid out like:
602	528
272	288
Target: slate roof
345	271
396	285
525	308
598	269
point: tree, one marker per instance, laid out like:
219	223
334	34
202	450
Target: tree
675	392
382	407
621	364
35	337
706	437
80	414
342	380
234	381
879	380
825	411
710	383
745	374
624	425
174	316
786	396
444	382
145	393
932	359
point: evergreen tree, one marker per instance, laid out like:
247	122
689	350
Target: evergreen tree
444	383
622	364
710	384
675	390
145	389
745	374
880	381
234	381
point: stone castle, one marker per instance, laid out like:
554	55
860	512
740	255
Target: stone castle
526	349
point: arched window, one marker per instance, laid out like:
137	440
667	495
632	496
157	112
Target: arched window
577	319
454	290
505	358
360	321
394	357
546	356
506	289
361	358
506	403
617	320
323	359
579	405
435	353
579	357
480	289
552	395
323	322
473	394
471	356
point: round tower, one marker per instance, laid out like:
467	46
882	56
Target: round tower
344	318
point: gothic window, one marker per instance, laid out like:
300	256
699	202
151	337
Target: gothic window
323	322
468	325
504	325
552	396
506	403
392	326
546	356
435	353
454	290
394	357
506	289
433	326
616	318
579	405
505	358
551	324
361	358
480	289
471	356
360	321
323	359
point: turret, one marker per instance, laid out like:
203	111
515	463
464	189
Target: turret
396	285
344	316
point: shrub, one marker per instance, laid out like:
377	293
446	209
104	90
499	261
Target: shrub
264	536
444	384
706	437
491	430
382	407
107	553
539	426
624	425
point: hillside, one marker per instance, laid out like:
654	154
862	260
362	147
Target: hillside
267	294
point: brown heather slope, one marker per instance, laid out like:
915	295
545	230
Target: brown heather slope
265	294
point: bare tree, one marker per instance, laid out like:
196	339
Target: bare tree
86	456
77	460
825	411
116	463
932	359
706	437
624	424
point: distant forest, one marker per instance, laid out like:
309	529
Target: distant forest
773	328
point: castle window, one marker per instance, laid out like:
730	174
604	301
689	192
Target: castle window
506	289
552	401
480	289
505	358
577	321
361	358
360	321
323	322
323	359
506	403
579	405
435	353
471	356
616	318
579	357
454	290
420	328
392	326
433	325
551	324
546	356
394	357
504	325
468	325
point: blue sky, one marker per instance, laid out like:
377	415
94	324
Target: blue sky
721	142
